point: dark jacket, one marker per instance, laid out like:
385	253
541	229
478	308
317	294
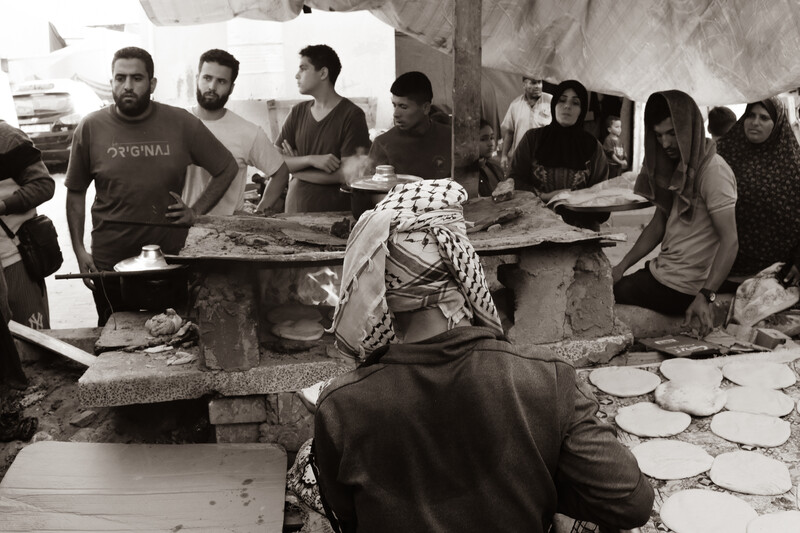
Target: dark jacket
463	432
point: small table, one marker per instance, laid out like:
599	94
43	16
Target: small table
70	486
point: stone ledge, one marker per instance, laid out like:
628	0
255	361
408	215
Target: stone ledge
646	323
121	378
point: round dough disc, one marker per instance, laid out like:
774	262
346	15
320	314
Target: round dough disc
682	370
747	428
750	473
293	312
302	330
624	381
706	511
780	522
646	419
758	400
671	459
694	399
762	374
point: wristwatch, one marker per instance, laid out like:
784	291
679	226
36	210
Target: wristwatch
709	294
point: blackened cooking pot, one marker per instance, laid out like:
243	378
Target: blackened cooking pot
367	192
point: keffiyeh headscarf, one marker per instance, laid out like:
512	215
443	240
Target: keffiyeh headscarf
661	178
411	252
768	184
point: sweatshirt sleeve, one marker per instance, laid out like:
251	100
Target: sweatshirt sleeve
598	479
23	163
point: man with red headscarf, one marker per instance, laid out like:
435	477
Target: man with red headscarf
694	192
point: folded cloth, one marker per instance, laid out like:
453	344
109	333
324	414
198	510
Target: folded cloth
410	252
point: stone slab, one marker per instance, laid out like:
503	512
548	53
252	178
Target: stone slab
646	323
591	352
122	378
231	433
123	329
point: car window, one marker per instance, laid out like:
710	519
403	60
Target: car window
42	104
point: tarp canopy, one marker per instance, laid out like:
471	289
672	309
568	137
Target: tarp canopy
719	51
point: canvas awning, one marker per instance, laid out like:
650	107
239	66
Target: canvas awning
718	51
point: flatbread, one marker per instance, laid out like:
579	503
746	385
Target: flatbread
706	511
624	381
694	399
758	400
750	473
747	428
646	419
759	374
780	522
682	370
301	330
293	312
671	459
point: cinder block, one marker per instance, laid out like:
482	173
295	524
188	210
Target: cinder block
228	321
237	410
227	433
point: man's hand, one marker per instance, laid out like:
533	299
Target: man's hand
617	271
86	264
327	163
179	212
700	308
504	162
287	150
793	276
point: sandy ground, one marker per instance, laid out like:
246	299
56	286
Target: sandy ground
52	395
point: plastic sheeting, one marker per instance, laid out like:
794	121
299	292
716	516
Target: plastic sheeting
719	51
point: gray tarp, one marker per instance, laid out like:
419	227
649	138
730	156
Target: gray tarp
719	51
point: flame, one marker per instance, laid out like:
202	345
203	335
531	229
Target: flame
325	279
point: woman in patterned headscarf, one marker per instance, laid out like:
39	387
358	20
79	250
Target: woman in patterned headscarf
765	157
562	155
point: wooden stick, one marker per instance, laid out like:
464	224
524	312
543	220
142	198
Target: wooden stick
51	343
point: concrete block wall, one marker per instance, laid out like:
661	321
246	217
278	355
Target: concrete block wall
567	288
280	418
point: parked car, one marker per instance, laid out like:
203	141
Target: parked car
50	110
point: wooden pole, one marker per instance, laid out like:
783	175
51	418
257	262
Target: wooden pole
466	92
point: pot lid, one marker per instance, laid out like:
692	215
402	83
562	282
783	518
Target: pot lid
151	258
383	183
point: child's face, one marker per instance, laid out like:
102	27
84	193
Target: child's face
486	141
615	128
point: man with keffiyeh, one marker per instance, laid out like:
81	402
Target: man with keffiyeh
694	191
445	426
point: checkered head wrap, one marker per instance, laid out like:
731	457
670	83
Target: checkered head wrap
410	252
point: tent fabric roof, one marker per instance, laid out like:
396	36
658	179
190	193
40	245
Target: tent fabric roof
719	51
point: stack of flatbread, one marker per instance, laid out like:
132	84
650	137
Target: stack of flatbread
296	322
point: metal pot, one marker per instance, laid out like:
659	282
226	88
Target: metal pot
367	192
147	282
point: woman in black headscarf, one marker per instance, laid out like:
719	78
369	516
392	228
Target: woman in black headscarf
764	155
562	155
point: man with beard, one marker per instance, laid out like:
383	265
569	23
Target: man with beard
247	142
136	152
529	110
321	137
